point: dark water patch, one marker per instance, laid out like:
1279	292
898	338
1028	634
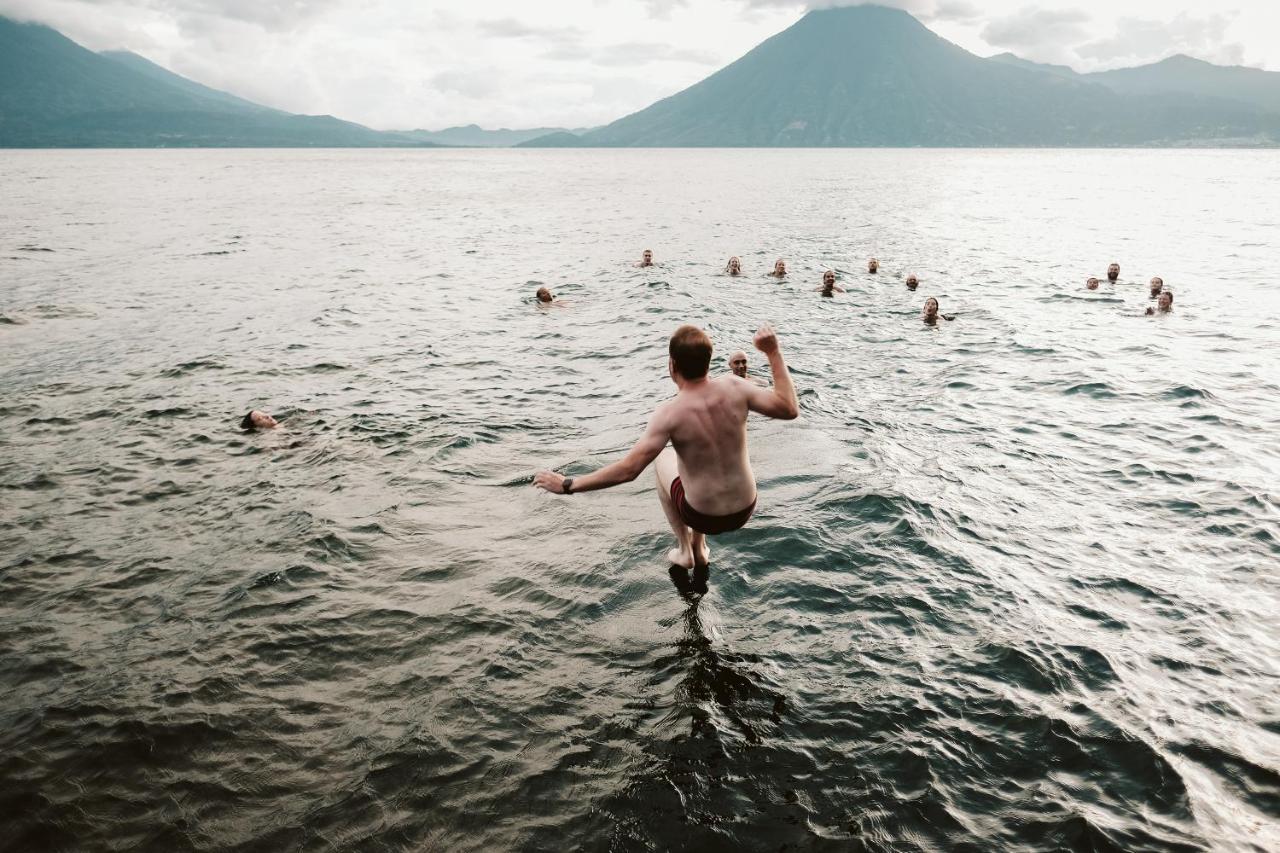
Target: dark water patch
32	248
1097	616
1096	390
1252	781
187	368
330	547
39	483
170	412
136	574
11	320
63	312
1186	392
293	576
51	421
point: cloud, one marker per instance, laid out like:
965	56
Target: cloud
662	9
959	11
517	29
925	10
1046	35
1139	40
644	53
475	83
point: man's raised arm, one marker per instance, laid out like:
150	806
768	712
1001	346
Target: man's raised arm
625	470
780	401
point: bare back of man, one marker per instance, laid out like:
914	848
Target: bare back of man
705	482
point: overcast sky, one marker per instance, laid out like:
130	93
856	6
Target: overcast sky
575	63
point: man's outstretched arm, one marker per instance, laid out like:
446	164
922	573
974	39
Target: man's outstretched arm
779	401
625	470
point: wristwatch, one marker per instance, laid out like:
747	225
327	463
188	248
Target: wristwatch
567	485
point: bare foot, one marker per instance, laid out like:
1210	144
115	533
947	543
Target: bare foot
680	557
704	555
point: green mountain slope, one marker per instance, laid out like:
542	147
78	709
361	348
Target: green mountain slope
55	93
1183	74
149	69
872	76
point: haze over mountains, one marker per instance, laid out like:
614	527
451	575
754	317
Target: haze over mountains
849	76
475	136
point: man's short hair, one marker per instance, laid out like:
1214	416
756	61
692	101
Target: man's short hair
690	349
247	422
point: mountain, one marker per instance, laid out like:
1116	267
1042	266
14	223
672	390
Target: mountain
872	76
55	93
1183	74
474	136
1056	70
1179	74
155	72
560	139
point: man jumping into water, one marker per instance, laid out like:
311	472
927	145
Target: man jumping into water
707	464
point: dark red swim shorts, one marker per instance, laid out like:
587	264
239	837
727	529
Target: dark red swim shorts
709	525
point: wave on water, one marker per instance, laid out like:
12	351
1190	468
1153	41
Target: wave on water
1008	586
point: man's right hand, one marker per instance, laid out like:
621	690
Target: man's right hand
766	340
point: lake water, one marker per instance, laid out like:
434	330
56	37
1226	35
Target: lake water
1012	585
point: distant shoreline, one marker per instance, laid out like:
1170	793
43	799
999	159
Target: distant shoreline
1271	146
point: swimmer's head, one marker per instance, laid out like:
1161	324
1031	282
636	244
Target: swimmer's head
544	295
779	267
1165	300
873	265
257	420
829	279
931	309
1113	272
738	364
1092	283
1157	285
690	353
734	267
912	282
647	257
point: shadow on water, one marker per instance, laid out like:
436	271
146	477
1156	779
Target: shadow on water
706	773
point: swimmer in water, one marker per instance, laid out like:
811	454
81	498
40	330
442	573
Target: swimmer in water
1092	283
739	368
707	465
1113	272
779	269
734	267
646	259
547	299
829	286
1164	303
873	266
931	315
257	420
912	282
1157	285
